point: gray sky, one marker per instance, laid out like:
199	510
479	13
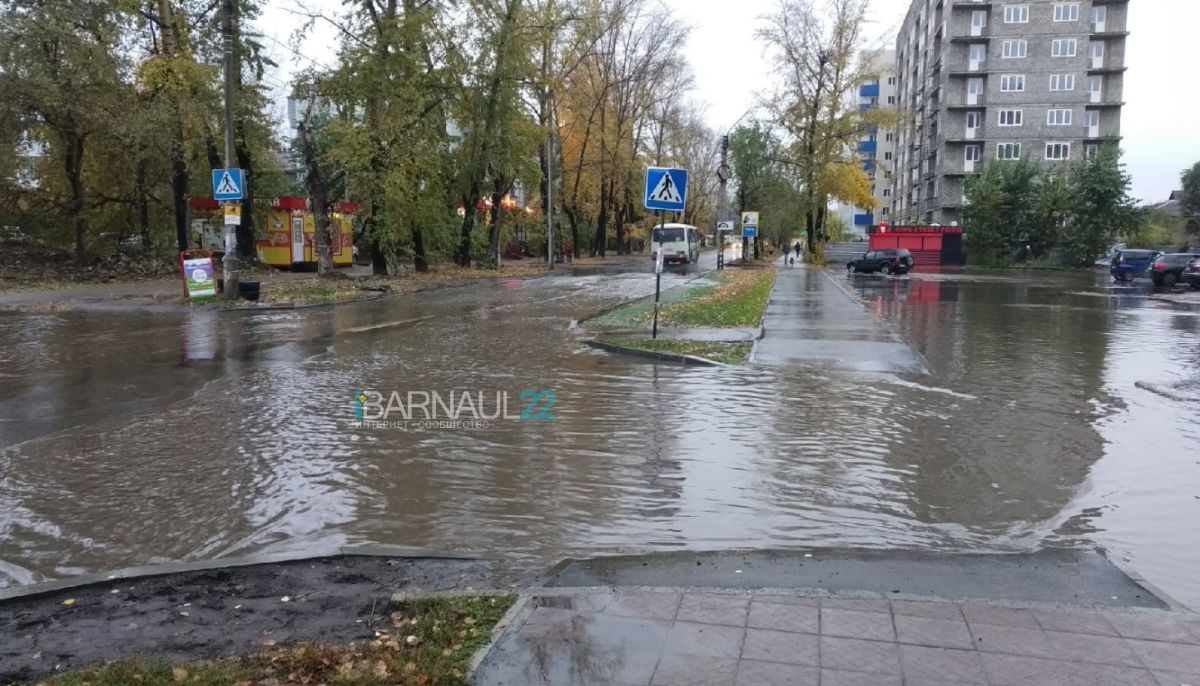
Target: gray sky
1162	136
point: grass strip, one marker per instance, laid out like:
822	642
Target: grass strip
426	642
739	300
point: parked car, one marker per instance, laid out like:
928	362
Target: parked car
1191	274
1129	264
1167	270
887	261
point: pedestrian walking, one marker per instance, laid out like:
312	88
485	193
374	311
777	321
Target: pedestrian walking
797	246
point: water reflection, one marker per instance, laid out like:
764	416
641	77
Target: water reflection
132	439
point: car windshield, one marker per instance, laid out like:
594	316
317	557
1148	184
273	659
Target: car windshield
1137	254
668	235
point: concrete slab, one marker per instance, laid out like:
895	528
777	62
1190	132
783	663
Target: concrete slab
1051	576
810	321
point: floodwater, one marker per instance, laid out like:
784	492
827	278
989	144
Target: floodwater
134	438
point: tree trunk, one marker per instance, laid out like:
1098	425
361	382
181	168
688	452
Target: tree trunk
600	240
319	193
420	261
73	166
494	237
143	205
245	230
181	176
468	224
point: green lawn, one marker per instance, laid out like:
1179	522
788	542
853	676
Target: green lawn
739	300
726	353
425	642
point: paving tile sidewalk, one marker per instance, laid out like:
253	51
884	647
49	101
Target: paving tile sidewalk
674	637
810	321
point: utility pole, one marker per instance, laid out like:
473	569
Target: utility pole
723	173
228	22
550	198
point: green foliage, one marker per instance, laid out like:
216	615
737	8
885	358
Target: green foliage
1081	209
999	209
765	185
1190	202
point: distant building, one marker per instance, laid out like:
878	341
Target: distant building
981	80
877	148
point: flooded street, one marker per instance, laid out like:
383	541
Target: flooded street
133	438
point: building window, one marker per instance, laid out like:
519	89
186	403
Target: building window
1063	47
1099	14
978	52
887	156
1096	49
972	153
1062	82
979	18
1058	151
1008	151
1012	83
1015	49
1016	14
973	120
1058	117
891	100
1091	150
1012	117
891	80
1093	119
1095	84
888	137
1066	12
887	192
974	86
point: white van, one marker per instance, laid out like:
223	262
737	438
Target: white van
679	243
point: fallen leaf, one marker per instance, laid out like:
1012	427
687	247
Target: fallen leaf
412	640
69	602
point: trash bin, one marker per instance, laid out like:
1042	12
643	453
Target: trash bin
249	290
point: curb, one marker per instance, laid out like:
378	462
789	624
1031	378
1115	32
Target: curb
580	323
656	354
146	571
516	617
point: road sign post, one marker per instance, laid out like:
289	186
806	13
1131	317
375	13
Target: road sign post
658	269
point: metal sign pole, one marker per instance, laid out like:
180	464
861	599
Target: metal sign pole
658	267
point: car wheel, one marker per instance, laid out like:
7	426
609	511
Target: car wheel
1169	280
887	269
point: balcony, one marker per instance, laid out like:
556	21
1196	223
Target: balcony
972	5
870	90
868	165
864	219
868	146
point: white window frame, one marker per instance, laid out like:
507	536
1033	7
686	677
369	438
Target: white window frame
979	18
1058	47
1016	14
977	48
976	149
1096	49
1099	14
1062	82
1092	118
1095	84
978	120
1014	49
1009	80
1058	147
1014	150
1013	119
1059	117
1066	11
975	87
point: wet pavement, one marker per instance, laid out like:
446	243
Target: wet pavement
811	321
678	636
145	437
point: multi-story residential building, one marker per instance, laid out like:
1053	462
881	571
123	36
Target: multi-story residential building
877	148
983	80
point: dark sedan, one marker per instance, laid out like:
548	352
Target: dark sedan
1191	274
886	261
1168	269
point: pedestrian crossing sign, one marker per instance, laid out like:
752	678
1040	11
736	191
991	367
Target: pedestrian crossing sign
666	189
227	184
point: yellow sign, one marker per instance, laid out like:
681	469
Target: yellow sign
233	215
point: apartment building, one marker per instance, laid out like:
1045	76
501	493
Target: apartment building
877	148
982	80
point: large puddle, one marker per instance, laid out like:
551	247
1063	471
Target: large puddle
138	438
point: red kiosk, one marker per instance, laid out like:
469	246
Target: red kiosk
931	246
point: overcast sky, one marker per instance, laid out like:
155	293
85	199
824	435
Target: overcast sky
1160	123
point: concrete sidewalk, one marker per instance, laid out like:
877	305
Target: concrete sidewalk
810	321
673	636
